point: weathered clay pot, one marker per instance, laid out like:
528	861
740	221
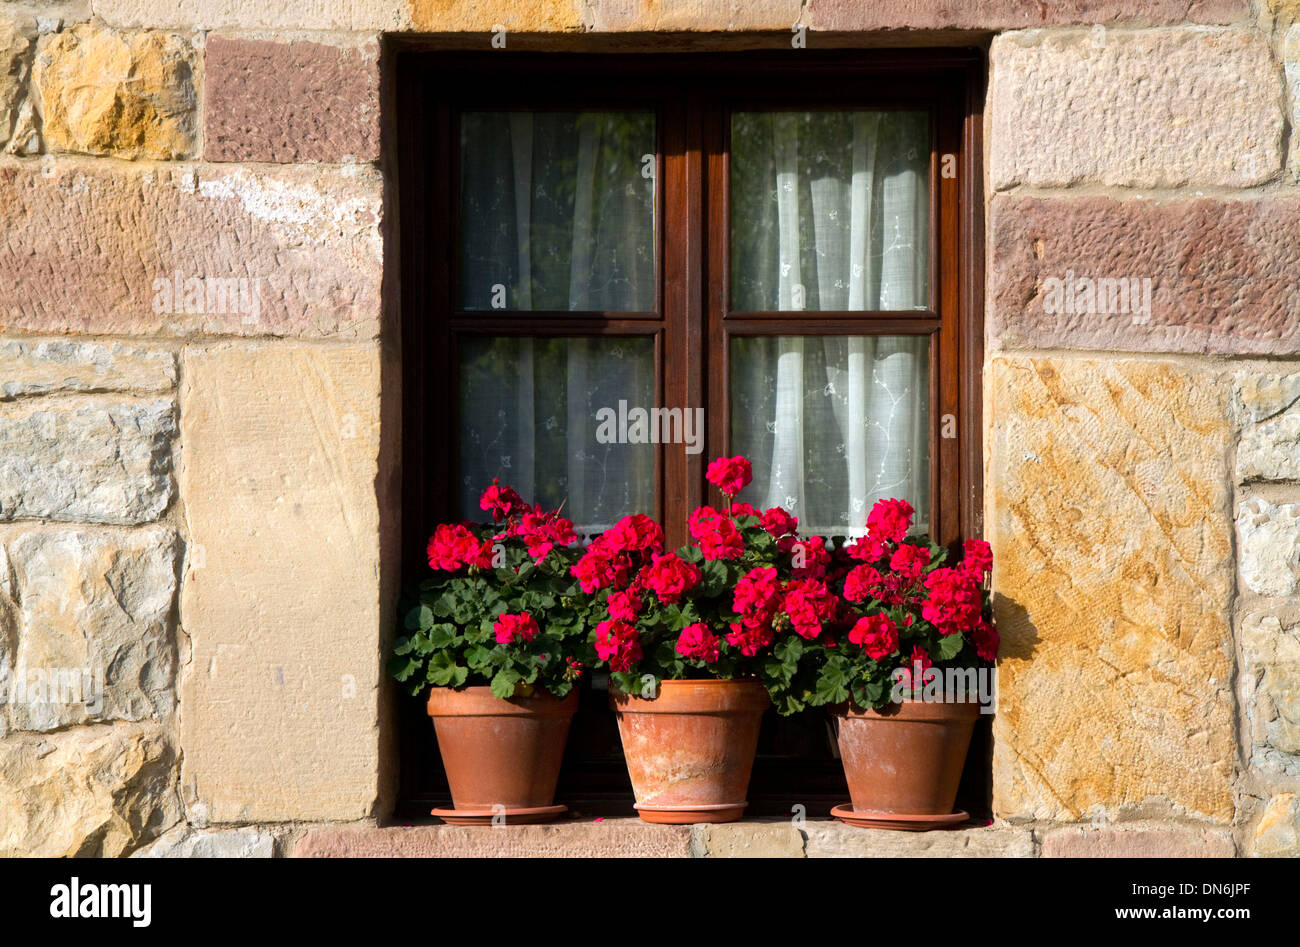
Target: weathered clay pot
689	750
501	752
906	759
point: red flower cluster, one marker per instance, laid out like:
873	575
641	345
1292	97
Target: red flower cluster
697	642
867	582
541	530
893	573
624	605
617	642
669	576
778	522
512	628
985	638
502	502
749	640
889	520
875	634
730	474
759	597
453	546
954	602
716	534
977	557
808	603
811	557
614	556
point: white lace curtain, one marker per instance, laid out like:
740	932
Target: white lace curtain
835	213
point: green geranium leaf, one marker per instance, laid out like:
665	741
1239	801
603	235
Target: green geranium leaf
503	684
949	647
402	667
442	636
445	672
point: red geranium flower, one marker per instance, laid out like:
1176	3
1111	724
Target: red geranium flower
730	474
779	522
697	642
757	596
670	576
503	502
866	549
624	605
816	557
749	639
977	557
875	634
617	643
511	628
985	638
889	520
716	535
954	602
808	602
453	545
909	561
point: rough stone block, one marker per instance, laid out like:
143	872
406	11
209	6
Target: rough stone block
1112	595
17	43
608	838
1278	833
89	462
90	791
748	839
129	95
1139	840
852	15
95	627
291	101
251	842
1201	276
1269	548
837	840
258	14
1134	109
185	249
30	368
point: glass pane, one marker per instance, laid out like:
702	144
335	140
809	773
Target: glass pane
528	415
832	424
557	211
830	210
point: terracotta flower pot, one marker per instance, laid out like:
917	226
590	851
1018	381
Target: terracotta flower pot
903	763
500	753
689	750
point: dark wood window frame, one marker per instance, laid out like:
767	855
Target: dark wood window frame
692	95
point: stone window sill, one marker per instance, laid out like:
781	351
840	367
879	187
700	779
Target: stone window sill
632	838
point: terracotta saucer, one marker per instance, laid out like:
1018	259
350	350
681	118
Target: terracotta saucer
689	815
511	816
896	821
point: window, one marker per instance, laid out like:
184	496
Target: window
774	241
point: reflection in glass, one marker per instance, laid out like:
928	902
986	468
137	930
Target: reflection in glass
557	211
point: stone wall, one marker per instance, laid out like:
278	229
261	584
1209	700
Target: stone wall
198	429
